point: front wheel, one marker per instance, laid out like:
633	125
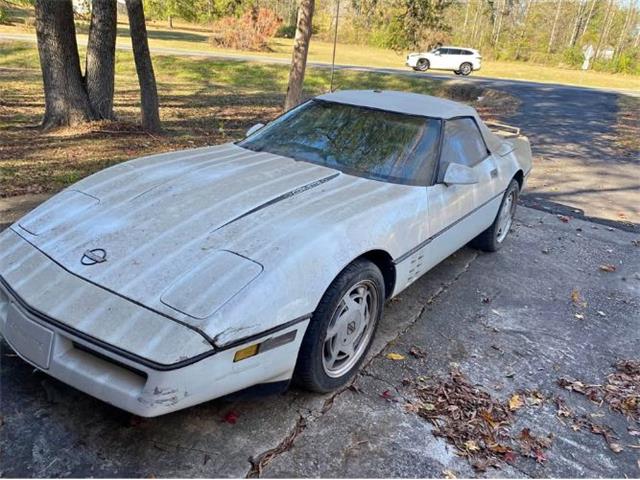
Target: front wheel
465	69
422	65
492	238
341	329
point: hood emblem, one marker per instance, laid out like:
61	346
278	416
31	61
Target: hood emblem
91	257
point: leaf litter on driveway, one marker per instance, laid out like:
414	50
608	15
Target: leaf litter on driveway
478	425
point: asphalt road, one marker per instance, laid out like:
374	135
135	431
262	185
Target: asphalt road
577	169
506	320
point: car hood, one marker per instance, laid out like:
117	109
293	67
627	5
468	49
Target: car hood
139	228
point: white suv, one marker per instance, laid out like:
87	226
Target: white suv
462	61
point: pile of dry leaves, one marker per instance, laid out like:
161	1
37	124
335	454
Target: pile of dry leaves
621	392
477	424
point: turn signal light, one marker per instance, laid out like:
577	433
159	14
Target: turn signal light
246	352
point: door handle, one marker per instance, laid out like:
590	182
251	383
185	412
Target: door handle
494	173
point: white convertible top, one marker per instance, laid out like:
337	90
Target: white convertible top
412	104
401	102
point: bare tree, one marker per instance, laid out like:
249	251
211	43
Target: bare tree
552	37
144	67
66	100
100	64
300	52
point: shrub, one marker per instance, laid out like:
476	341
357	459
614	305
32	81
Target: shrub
4	17
573	56
286	31
251	31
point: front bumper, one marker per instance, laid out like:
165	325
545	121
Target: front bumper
132	386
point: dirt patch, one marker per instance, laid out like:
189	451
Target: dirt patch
490	103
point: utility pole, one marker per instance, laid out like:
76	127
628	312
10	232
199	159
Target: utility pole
335	40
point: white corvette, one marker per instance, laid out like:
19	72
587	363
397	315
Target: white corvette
174	279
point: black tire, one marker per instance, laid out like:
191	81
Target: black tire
422	65
492	239
465	69
457	72
310	372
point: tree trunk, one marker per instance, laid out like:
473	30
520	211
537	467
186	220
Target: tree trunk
65	98
552	37
576	25
300	51
524	28
604	32
589	16
170	22
144	67
101	50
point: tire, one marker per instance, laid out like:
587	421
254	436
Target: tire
492	239
314	368
457	72
422	65
465	69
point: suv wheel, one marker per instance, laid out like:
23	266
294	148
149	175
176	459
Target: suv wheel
422	65
465	69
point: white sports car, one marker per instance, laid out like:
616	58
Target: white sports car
177	278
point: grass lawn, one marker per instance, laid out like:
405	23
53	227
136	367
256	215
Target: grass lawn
202	102
196	38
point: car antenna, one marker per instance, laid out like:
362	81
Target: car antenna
335	39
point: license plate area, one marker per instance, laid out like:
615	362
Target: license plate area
30	339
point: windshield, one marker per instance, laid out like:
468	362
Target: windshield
375	144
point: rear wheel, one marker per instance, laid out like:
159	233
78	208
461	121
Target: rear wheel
342	328
422	65
492	238
465	69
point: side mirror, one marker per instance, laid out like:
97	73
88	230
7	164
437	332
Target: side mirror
254	129
457	174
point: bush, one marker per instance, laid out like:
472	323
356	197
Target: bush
286	31
573	56
251	31
4	17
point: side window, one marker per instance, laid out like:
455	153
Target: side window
467	52
462	144
445	51
454	51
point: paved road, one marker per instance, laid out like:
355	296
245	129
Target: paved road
468	312
577	171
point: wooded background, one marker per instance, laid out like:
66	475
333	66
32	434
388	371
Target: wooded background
552	32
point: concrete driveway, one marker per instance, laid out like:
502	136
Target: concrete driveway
506	320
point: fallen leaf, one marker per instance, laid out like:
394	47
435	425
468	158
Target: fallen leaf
579	316
230	417
515	402
615	447
417	352
577	299
387	395
563	218
448	474
607	267
510	457
540	456
395	356
471	446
